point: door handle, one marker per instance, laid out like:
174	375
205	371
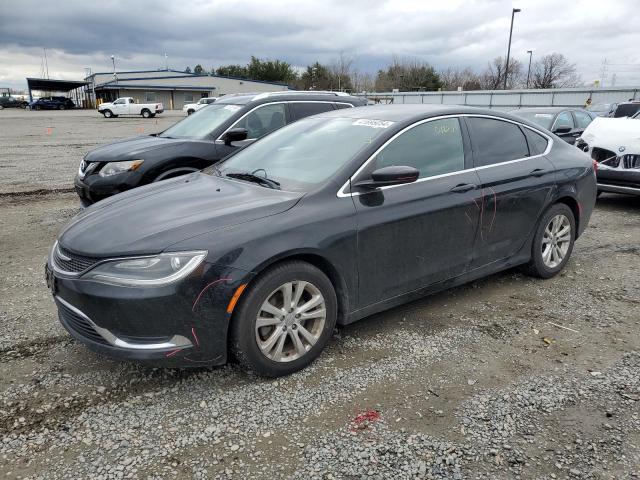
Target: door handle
538	172
464	187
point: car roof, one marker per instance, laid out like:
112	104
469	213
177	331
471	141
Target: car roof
545	109
266	97
410	112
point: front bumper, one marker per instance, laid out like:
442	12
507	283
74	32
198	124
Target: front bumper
93	188
177	325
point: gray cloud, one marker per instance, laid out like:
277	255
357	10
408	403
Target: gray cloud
82	34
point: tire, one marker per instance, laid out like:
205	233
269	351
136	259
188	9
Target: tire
189	112
282	357
599	192
61	107
38	107
145	113
547	266
107	113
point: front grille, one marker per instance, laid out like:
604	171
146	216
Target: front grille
607	157
70	262
79	324
631	161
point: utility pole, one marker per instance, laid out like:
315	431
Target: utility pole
603	72
166	61
506	65
46	63
530	52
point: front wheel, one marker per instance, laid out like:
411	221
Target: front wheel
107	114
190	111
284	319
146	113
553	242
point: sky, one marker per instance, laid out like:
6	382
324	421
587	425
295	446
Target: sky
81	34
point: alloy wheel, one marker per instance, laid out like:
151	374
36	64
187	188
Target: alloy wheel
556	241
290	321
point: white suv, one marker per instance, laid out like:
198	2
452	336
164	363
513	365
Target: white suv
189	108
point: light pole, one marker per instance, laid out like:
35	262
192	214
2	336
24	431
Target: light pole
166	61
506	65
530	52
113	61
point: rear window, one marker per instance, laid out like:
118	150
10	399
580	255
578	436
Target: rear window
626	110
306	109
496	141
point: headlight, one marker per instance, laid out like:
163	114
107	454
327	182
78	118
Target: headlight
113	168
152	271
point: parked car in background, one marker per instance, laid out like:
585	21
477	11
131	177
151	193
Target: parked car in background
47	103
602	109
67	102
198	141
8	101
190	108
626	109
614	143
327	220
567	123
128	106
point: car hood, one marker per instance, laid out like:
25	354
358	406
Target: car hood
619	135
149	219
130	148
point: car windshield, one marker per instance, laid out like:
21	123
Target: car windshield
201	123
543	119
305	154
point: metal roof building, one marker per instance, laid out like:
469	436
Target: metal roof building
170	87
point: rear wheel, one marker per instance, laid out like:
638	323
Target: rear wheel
61	107
146	113
553	242
284	319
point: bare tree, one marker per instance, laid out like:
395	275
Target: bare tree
493	76
362	81
554	71
341	70
463	78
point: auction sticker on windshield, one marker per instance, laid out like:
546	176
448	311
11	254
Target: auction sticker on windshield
373	123
232	107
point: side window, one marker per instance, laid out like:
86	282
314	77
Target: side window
301	110
118	102
263	120
433	148
343	105
583	119
537	143
496	141
563	120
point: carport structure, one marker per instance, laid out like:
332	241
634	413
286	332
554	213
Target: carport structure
80	95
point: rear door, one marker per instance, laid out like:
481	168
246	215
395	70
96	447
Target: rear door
417	234
515	182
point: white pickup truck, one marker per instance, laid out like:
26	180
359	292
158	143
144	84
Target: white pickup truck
127	106
190	108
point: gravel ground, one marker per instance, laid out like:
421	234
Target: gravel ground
478	382
42	149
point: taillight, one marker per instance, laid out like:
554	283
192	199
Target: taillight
595	165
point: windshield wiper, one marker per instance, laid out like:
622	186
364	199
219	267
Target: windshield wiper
250	177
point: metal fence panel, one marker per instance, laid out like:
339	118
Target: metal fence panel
508	100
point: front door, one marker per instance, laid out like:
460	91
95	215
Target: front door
258	122
565	119
516	181
417	234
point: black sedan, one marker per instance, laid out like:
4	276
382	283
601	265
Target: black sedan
47	103
198	141
567	123
325	221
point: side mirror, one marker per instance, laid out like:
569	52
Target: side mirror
393	175
562	130
235	135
